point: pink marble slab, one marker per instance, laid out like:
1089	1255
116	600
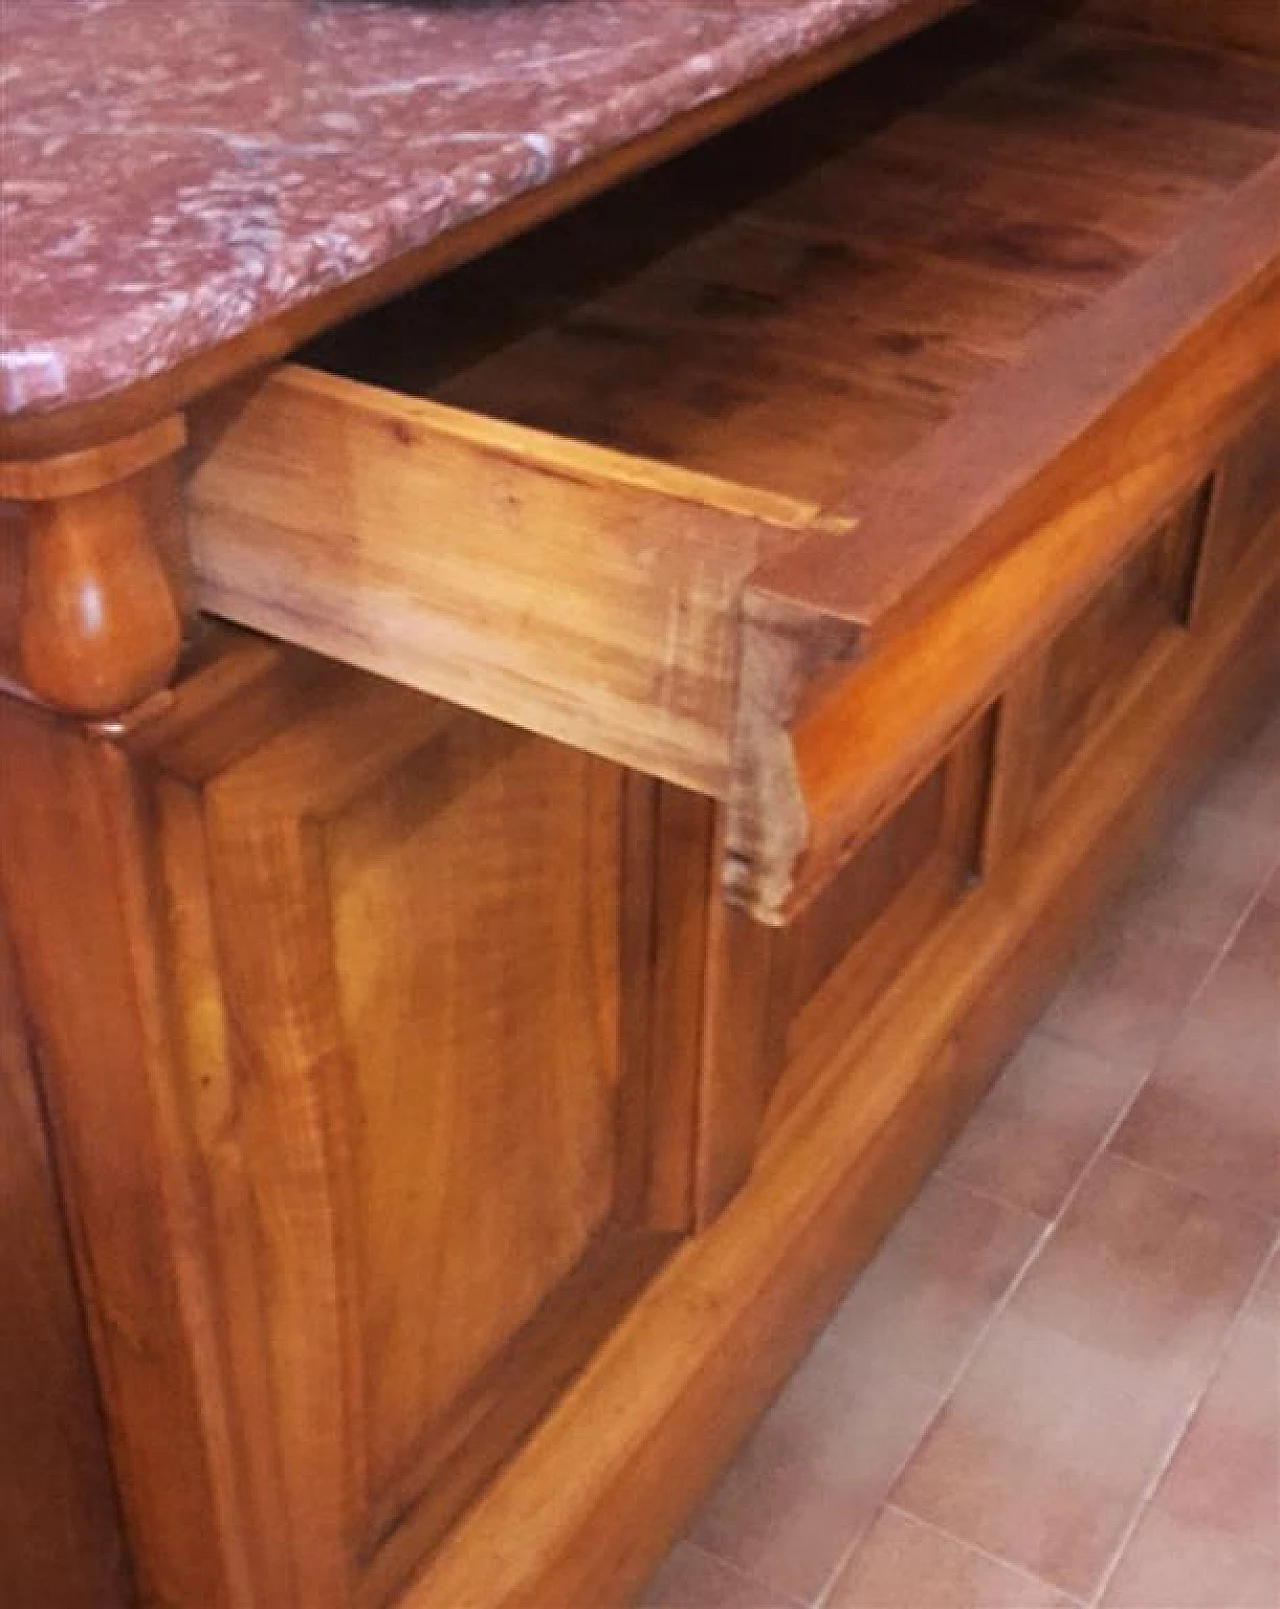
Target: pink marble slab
174	171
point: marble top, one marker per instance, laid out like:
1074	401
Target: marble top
175	171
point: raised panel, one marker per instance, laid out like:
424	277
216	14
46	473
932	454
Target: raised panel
900	888
411	954
860	896
1092	664
784	1003
1246	503
475	897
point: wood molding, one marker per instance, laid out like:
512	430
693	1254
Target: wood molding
103	572
74	473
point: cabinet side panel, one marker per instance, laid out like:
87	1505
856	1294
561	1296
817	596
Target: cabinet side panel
475	899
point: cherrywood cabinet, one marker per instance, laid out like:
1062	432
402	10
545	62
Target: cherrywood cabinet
526	830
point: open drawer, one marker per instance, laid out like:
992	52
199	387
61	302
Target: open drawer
763	473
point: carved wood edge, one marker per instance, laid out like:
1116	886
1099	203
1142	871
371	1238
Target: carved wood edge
100	622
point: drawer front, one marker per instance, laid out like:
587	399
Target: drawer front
579	593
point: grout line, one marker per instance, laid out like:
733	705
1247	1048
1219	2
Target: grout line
997	1312
1137	927
991	1197
769	1595
945	1396
1050	1226
1246	1209
983	1553
1179	1435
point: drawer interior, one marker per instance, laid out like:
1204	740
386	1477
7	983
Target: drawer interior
801	302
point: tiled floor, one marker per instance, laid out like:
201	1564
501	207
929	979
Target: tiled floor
1059	1382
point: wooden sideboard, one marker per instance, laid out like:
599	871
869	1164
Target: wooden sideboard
526	829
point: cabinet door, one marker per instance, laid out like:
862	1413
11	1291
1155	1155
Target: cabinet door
408	954
61	1545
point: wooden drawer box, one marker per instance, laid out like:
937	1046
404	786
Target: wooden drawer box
760	475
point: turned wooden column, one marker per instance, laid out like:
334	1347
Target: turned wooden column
100	624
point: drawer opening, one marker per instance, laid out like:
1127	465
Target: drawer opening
886	380
803	301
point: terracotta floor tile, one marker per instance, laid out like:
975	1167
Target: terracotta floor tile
692	1579
1265	1301
1200	878
1209	1115
1083	1381
902	1564
1225	1475
935	1282
1128	992
815	1470
1043	1119
1172	1565
1257	944
1239	1009
1248	784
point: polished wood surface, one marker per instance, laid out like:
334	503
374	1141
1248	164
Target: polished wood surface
1070	510
876	515
1251	25
581	593
61	1541
404	960
78	899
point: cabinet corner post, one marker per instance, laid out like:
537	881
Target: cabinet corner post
100	624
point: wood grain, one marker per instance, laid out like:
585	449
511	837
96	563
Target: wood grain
1027	488
411	955
575	592
1245	501
1241	24
61	1541
687	1371
1004	307
100	627
78	899
451	1174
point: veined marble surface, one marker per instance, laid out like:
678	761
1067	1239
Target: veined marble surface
175	171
